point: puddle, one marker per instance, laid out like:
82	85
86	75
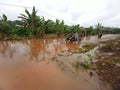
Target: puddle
36	65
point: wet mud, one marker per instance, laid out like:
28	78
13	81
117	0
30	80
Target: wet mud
44	64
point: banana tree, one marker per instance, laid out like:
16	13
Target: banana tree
98	28
50	26
42	27
30	20
62	26
4	27
57	25
75	28
4	18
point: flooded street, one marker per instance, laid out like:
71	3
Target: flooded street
43	64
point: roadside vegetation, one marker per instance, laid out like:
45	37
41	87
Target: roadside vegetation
107	64
30	25
87	47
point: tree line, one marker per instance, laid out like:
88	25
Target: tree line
31	25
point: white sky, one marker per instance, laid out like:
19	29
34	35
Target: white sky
83	12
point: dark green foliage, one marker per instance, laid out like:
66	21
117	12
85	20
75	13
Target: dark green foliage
5	29
24	32
32	25
111	30
91	31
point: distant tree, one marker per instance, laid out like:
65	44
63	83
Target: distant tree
75	28
91	30
62	26
57	25
98	28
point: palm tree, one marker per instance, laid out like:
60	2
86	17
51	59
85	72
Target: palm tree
5	28
98	28
26	19
90	30
50	26
34	21
30	20
42	27
62	26
4	18
75	28
57	25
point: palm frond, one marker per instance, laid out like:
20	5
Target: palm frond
4	17
27	12
23	15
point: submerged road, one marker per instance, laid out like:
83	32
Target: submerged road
29	65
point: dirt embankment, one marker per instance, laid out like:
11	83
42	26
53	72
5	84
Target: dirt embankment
108	64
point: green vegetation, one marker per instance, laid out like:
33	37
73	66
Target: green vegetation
86	64
109	44
108	60
90	57
33	26
86	48
77	64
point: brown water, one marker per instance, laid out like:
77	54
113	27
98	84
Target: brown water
31	65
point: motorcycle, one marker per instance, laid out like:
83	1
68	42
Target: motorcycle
72	39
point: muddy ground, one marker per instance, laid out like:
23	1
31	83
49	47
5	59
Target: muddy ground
108	64
101	55
53	64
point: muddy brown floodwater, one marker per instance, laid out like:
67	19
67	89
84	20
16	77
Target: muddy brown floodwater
30	65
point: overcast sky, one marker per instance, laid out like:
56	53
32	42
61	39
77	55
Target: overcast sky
83	12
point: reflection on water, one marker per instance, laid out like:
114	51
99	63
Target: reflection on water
26	65
35	49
